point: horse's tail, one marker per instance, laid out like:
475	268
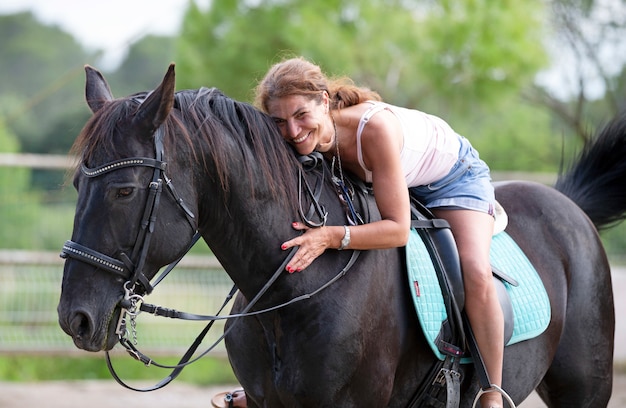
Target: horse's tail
596	181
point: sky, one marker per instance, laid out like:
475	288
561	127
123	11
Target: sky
107	25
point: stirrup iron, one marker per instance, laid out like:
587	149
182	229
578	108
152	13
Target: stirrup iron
494	388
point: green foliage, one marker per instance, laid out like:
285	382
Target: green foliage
41	67
481	50
14	182
208	370
34	55
26	222
144	67
614	241
63	130
457	52
513	136
466	61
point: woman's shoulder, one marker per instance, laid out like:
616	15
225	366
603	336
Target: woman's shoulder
364	111
382	128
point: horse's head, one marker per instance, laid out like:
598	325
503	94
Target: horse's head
123	227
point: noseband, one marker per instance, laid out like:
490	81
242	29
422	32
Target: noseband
131	267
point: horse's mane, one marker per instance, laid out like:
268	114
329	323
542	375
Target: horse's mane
208	117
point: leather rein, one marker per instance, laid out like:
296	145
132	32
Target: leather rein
131	267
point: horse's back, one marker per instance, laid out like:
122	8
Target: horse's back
563	245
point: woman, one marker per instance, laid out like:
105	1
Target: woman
397	150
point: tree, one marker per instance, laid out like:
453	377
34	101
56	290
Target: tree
445	53
41	67
588	35
464	60
144	66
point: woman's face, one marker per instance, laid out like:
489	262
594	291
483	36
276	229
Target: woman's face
303	122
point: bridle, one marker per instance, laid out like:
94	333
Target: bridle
131	267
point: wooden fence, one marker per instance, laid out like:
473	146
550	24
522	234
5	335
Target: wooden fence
30	285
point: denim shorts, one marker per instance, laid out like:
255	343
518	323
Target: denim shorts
467	185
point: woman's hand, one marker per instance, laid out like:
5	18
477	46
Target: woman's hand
312	244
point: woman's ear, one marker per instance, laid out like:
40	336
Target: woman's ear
326	101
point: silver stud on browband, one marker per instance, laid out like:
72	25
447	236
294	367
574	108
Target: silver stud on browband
109	167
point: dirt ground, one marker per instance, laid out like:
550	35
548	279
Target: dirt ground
105	393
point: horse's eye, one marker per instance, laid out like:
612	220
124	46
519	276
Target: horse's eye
124	192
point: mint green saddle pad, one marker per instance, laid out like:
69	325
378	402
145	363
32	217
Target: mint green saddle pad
531	306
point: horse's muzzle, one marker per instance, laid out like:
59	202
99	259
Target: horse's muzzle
85	331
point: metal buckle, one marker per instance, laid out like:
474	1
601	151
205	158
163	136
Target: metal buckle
440	378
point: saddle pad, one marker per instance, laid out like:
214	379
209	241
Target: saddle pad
531	306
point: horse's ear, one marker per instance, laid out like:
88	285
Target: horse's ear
97	91
154	110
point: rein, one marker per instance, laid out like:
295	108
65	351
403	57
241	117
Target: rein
137	306
131	267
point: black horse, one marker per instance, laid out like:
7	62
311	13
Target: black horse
357	342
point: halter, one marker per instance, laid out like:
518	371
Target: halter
131	267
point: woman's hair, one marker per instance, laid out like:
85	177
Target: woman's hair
297	76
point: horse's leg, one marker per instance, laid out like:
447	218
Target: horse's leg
581	374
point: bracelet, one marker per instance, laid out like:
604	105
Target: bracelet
345	241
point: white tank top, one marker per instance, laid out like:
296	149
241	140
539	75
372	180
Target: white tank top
430	147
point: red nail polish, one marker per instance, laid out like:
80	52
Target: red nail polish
283	247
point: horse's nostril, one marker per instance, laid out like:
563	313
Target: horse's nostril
80	326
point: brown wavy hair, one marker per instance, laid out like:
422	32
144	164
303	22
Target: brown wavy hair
298	76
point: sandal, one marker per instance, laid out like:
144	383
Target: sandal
224	399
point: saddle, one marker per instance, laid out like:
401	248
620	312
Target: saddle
438	239
455	340
455	337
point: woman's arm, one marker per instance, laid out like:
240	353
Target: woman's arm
381	142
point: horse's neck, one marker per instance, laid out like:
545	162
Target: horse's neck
245	231
245	234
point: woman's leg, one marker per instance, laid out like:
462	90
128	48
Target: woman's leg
472	231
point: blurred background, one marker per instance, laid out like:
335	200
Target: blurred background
526	81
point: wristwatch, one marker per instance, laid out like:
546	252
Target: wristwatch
345	241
